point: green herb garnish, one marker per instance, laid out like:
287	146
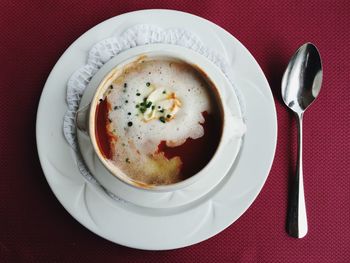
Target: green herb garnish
162	119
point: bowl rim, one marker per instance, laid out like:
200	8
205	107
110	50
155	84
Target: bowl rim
173	52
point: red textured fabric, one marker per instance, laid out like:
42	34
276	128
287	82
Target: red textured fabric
34	227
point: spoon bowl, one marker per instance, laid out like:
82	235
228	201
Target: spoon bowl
301	82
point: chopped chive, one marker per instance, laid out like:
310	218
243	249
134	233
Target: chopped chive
164	91
149	104
111	86
162	119
115	107
137	106
153	107
162	110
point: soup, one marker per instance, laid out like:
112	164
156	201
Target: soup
159	121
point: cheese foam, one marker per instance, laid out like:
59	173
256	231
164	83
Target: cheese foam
153	101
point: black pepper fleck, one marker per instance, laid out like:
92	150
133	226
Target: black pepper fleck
138	94
129	123
148	84
129	113
125	85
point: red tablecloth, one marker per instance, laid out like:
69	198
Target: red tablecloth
34	227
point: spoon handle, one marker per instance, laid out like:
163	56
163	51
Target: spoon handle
297	221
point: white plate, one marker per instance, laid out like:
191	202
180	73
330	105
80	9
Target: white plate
159	229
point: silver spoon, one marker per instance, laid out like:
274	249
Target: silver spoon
301	83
